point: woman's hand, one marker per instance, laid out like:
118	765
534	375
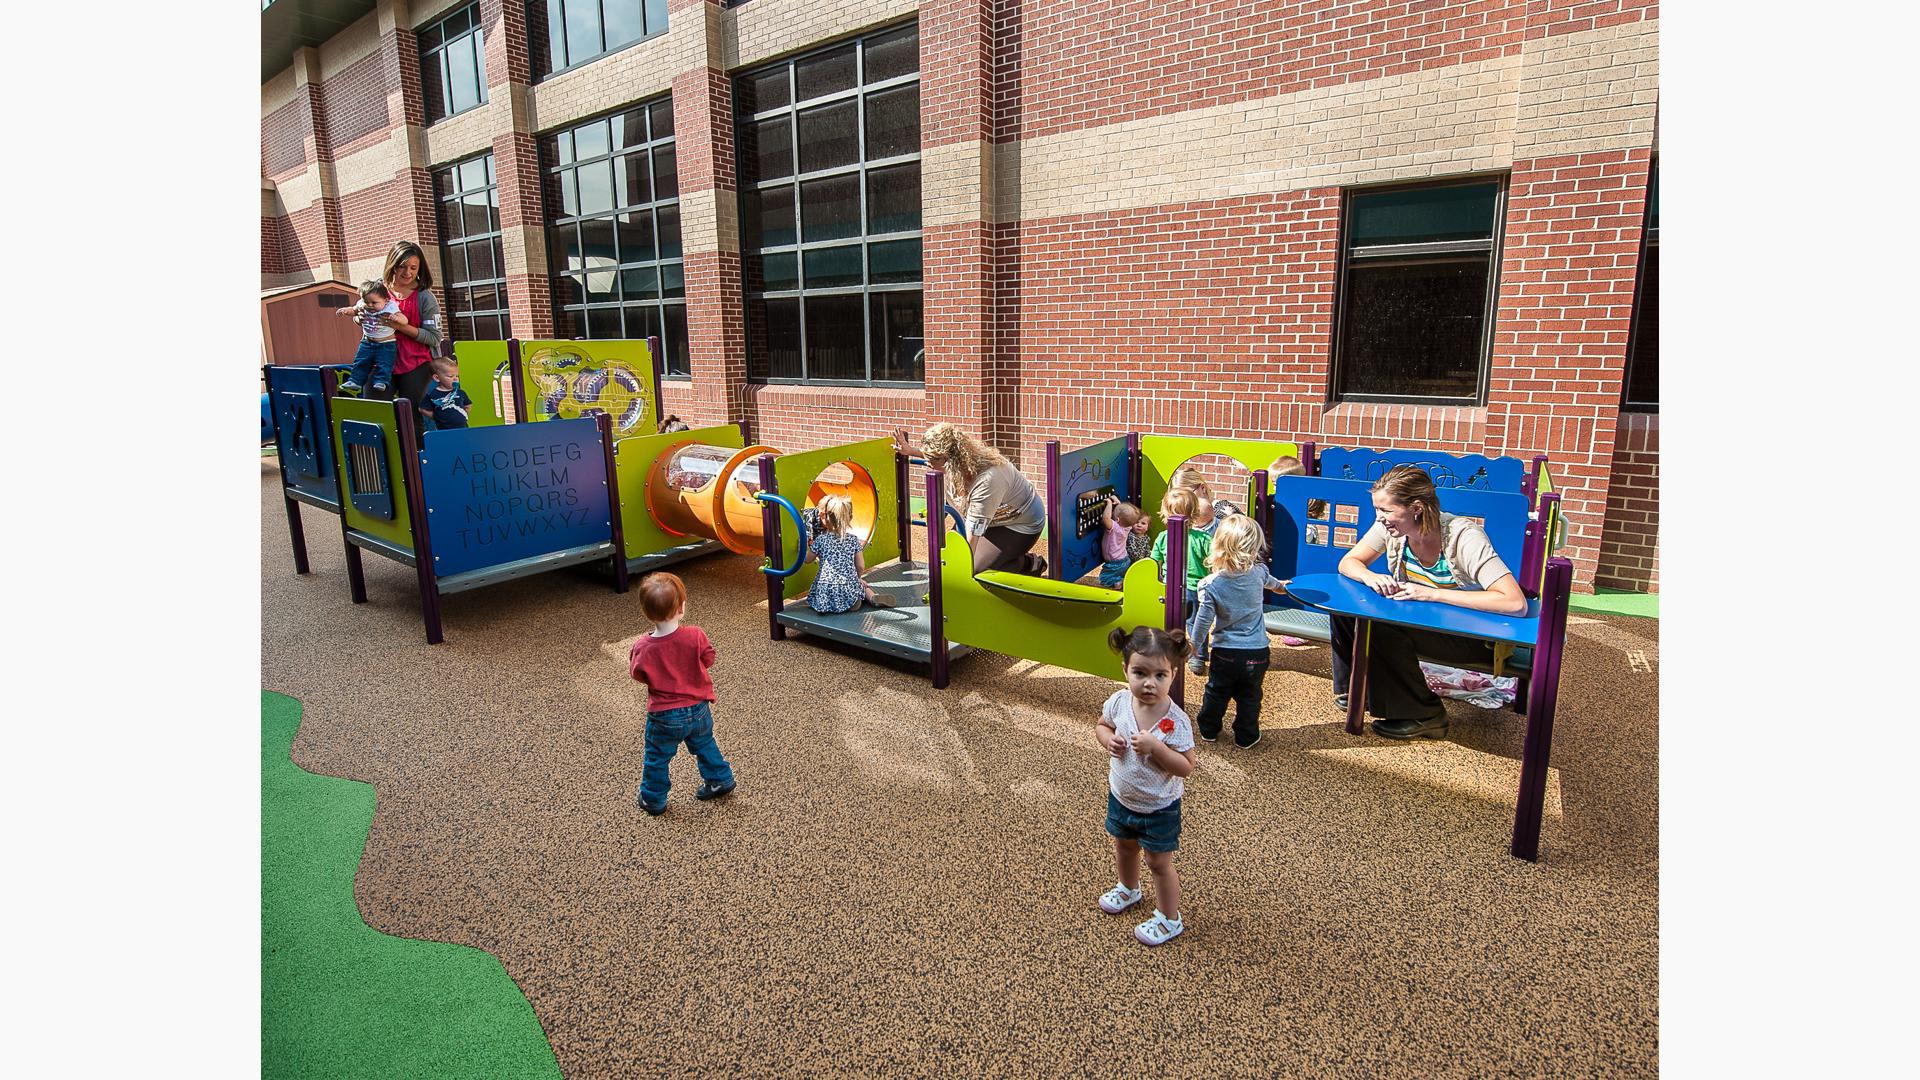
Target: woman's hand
398	322
902	443
1381	583
1409	591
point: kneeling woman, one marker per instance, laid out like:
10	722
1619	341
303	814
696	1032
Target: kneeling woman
1004	514
1431	556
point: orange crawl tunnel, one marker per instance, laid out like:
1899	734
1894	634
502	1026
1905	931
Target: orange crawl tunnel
699	490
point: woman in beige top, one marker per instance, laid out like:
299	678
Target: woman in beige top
1432	557
1004	514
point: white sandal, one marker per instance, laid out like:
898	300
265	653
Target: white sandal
1118	899
1159	930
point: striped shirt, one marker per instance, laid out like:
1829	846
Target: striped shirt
1438	576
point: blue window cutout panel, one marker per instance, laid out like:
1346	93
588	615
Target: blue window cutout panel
304	439
500	494
1086	477
1316	519
367	486
1470	472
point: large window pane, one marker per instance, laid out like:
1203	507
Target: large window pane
1643	365
679	358
898	338
596	237
1424	215
827	137
596	187
772	154
766	90
582	30
630	180
893	54
463	73
894	262
770	217
1414	329
604	323
825	73
635	232
783	339
666	172
625	24
835	338
780	270
830	208
893	122
893	199
590	140
667	220
453	61
828	268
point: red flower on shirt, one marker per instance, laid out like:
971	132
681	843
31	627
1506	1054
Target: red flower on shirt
1166	725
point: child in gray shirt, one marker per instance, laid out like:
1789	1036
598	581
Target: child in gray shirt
1233	613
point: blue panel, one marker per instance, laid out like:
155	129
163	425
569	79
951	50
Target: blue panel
366	446
517	491
1473	472
1309	535
305	431
1086	477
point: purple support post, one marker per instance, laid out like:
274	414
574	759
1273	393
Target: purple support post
903	508
1134	479
605	424
1534	753
1357	677
770	530
410	451
659	373
518	380
1262	504
1310	458
1175	600
936	547
1053	508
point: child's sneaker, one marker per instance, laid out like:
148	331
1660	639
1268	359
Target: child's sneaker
1118	899
1197	665
378	388
1159	930
1289	639
348	386
1204	737
713	791
1249	744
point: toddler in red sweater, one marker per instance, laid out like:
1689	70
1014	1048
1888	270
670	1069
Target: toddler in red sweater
673	660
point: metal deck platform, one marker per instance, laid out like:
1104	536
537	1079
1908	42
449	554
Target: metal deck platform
904	630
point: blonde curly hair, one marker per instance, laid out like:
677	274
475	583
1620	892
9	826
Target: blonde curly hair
1237	545
966	456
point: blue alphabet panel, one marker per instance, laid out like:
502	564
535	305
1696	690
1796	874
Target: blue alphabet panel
304	431
1450	472
1087	477
501	494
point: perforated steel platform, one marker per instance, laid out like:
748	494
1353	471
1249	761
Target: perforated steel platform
904	630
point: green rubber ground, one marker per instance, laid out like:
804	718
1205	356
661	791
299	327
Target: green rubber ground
339	998
1616	602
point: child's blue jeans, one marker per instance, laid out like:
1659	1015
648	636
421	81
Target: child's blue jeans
1113	573
373	363
666	730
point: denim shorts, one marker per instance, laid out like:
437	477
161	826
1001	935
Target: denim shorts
1158	831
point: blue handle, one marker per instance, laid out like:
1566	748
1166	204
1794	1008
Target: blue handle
800	553
959	526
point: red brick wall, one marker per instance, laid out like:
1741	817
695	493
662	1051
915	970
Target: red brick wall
1630	547
283	135
355	100
1560	343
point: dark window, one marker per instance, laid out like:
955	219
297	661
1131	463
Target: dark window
564	34
473	272
830	213
1643	344
453	64
1417	293
613	236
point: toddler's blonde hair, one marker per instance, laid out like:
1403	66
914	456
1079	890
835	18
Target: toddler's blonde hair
836	513
1189	478
1286	465
1126	514
1179	500
1237	545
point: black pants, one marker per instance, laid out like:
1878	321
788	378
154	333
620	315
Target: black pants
1396	690
413	384
1240	676
1002	548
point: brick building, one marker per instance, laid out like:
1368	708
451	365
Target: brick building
1425	224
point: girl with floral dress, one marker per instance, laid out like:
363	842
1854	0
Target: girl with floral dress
839	586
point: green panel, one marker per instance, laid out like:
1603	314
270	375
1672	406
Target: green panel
633	460
1160	455
399	531
1544	484
480	363
553	370
794	474
1067	626
1424	215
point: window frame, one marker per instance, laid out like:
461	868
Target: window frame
1408	255
1649	241
434	58
860	168
495	238
554	219
647	33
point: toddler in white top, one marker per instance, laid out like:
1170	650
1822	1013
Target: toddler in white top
1151	741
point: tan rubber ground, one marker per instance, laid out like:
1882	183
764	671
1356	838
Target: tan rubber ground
905	882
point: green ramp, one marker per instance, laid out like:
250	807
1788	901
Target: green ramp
339	998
